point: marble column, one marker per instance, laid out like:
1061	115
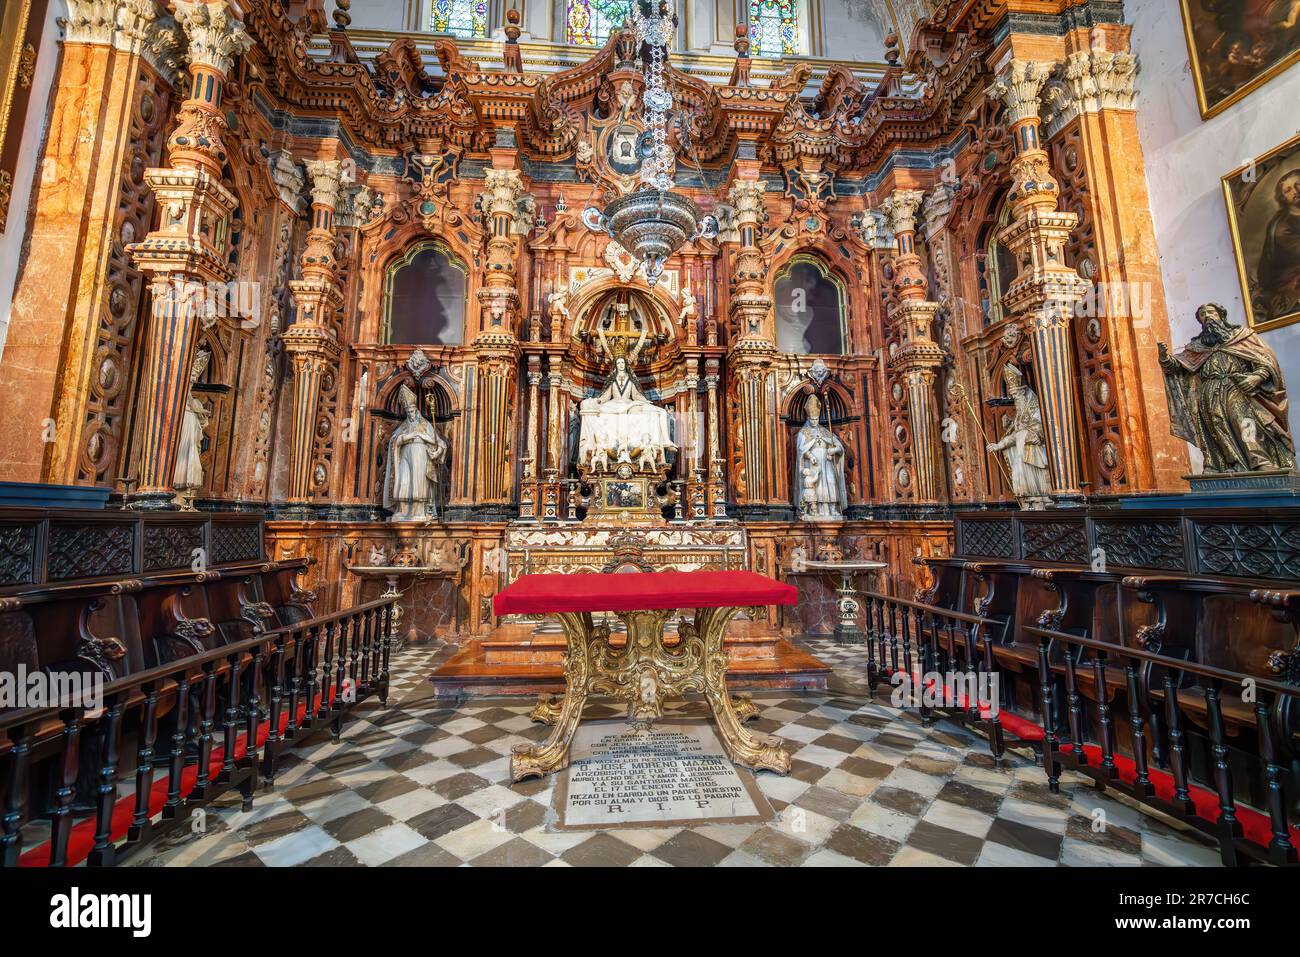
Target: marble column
312	341
1045	294
117	61
919	357
753	347
189	249
496	345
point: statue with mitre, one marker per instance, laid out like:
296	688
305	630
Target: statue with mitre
820	493
416	452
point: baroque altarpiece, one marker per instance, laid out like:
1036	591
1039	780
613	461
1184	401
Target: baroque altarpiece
401	238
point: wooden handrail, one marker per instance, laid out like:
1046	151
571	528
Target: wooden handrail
1174	664
195	663
934	609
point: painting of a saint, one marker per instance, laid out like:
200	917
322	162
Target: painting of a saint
1263	200
1236	46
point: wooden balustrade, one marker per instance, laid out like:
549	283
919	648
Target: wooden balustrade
210	722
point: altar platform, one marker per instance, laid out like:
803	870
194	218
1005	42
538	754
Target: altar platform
524	658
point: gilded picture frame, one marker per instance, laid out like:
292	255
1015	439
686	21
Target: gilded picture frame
21	22
1232	54
1263	205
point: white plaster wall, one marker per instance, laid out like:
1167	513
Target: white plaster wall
1185	158
851	31
379	14
34	127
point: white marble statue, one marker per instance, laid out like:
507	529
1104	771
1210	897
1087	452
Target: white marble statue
820	494
620	423
413	480
689	308
1023	445
189	456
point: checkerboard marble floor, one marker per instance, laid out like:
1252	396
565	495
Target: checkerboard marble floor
426	782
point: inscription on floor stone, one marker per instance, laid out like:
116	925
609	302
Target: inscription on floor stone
674	773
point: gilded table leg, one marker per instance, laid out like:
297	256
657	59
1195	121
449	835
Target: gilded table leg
548	708
553	753
757	751
744	706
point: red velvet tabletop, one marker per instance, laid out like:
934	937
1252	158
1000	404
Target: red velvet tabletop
640	591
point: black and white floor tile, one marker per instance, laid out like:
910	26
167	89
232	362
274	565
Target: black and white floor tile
426	782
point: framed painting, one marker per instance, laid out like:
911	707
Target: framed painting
1263	199
21	22
1236	46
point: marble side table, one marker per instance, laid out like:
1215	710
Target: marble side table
847	630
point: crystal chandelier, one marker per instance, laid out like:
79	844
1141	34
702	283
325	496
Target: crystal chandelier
653	222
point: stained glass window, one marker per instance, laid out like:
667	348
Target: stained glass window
590	22
773	27
460	18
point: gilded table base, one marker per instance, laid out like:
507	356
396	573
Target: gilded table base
645	674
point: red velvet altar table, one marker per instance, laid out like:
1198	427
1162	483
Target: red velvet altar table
645	671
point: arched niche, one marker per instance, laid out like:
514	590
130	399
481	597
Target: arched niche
811	307
424	296
995	265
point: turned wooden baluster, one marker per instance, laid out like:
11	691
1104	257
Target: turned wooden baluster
385	646
1142	785
252	717
65	786
1050	742
1104	721
340	666
102	853
891	638
369	660
1076	709
1280	849
972	706
319	684
1228	826
15	810
176	757
352	639
230	719
925	665
302	665
147	736
996	739
274	708
870	622
1177	752
206	723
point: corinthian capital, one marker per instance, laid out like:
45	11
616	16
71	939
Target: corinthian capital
902	207
1088	82
326	180
746	195
216	37
122	23
503	189
1019	87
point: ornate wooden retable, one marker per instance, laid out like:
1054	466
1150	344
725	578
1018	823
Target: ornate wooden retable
644	672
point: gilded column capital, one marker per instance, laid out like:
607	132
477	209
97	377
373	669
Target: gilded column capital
1088	82
901	207
746	196
288	178
502	190
1020	86
326	181
164	48
216	37
122	24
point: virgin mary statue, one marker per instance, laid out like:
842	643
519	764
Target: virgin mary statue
621	419
416	451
